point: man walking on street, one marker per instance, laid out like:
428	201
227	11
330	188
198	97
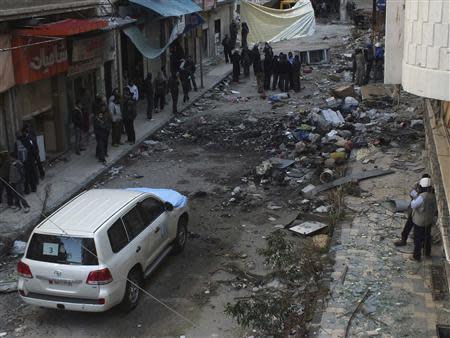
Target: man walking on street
16	180
101	128
423	216
409	225
246	61
160	91
116	117
77	121
236	60
226	43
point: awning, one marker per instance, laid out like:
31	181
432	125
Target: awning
152	52
169	7
67	27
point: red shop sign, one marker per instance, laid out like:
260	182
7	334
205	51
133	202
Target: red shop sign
39	61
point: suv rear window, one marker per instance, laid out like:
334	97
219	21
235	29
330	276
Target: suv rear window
62	250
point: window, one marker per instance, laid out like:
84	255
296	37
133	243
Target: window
62	250
151	209
134	223
117	236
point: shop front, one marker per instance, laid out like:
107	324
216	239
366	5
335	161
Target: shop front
8	124
39	65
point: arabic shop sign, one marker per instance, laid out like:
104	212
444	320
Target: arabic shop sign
36	59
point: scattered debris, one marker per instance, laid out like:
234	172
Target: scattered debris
308	228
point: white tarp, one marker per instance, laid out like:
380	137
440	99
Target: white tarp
272	25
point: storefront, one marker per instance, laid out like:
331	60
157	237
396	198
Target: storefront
8	123
91	66
38	67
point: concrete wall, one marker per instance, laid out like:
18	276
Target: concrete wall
395	27
426	57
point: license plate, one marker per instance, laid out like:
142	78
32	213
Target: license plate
59	282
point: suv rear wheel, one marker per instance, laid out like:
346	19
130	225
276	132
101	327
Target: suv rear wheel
180	240
133	288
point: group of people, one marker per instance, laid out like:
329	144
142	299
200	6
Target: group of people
114	116
364	59
422	213
156	90
20	170
273	72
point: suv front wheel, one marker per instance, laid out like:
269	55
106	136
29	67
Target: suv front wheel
132	290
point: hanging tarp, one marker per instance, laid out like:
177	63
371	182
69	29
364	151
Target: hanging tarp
272	25
142	43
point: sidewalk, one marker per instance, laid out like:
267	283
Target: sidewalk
397	295
66	179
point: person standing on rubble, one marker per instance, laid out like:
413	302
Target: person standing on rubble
116	118
190	67
185	81
268	62
236	60
246	61
226	43
409	225
258	68
424	210
284	73
359	67
296	69
275	72
379	61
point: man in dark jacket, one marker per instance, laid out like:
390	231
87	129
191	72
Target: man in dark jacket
268	63
190	67
369	55
258	69
77	121
296	68
246	61
236	59
284	73
275	72
174	86
150	93
129	115
29	133
101	128
160	91
226	43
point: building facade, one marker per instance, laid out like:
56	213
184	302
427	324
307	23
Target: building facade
418	58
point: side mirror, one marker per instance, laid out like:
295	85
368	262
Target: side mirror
168	206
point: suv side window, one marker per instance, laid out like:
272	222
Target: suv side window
117	235
133	222
151	209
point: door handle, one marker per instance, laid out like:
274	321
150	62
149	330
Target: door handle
157	230
138	249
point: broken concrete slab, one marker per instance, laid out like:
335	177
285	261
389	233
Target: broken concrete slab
308	228
344	91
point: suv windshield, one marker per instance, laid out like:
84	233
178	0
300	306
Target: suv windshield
62	250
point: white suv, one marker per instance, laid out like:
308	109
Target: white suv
84	255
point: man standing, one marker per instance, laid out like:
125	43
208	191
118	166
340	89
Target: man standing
296	68
423	215
244	33
160	91
149	92
185	81
129	115
369	57
190	67
359	67
174	89
77	121
268	62
236	59
379	61
116	117
133	90
275	72
101	128
226	43
284	73
246	61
